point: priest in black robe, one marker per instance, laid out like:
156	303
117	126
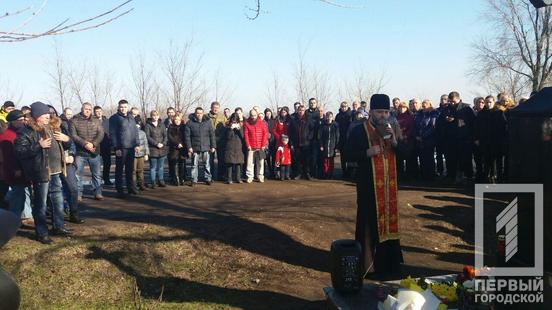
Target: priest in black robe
374	146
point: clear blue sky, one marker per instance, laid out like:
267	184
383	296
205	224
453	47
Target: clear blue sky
422	46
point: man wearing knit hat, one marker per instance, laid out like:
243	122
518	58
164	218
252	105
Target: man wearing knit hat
373	145
7	107
40	151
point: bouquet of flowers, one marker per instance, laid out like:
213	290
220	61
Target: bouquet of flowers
439	293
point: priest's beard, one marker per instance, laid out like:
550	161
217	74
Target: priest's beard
380	125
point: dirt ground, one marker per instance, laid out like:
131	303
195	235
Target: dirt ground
249	246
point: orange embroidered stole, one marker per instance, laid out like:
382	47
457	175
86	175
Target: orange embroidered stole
384	173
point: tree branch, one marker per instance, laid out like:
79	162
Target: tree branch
61	28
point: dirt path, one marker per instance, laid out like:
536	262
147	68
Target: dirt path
229	245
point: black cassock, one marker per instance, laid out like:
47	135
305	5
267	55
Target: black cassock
382	258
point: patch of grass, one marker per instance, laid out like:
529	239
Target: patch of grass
144	267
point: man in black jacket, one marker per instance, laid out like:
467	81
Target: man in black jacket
199	137
105	145
171	112
124	140
313	113
490	124
343	119
301	131
459	132
87	132
439	147
40	150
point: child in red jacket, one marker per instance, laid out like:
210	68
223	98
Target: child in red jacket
283	158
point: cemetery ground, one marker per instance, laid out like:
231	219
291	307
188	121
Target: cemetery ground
240	246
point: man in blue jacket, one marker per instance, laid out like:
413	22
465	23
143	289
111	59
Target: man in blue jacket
124	140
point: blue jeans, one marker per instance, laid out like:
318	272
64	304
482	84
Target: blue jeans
156	169
42	191
284	172
95	164
19	198
203	157
70	190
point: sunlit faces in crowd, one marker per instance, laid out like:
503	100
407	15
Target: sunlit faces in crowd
122	107
415	104
344	106
134	112
427	105
68	113
490	102
396	102
478	104
313	103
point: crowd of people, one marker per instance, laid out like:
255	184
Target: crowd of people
43	154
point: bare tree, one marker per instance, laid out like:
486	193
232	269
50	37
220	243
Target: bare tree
275	92
222	90
519	48
302	78
142	76
59	77
360	86
77	82
253	12
115	92
29	13
311	81
100	85
159	104
184	73
321	87
507	81
10	92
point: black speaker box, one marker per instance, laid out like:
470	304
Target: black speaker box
346	270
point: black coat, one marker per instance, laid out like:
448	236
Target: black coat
155	135
344	120
490	128
328	138
318	122
123	132
105	145
313	114
461	129
234	142
441	125
199	136
33	158
175	136
301	131
270	125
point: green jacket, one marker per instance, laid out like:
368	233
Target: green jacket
218	122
